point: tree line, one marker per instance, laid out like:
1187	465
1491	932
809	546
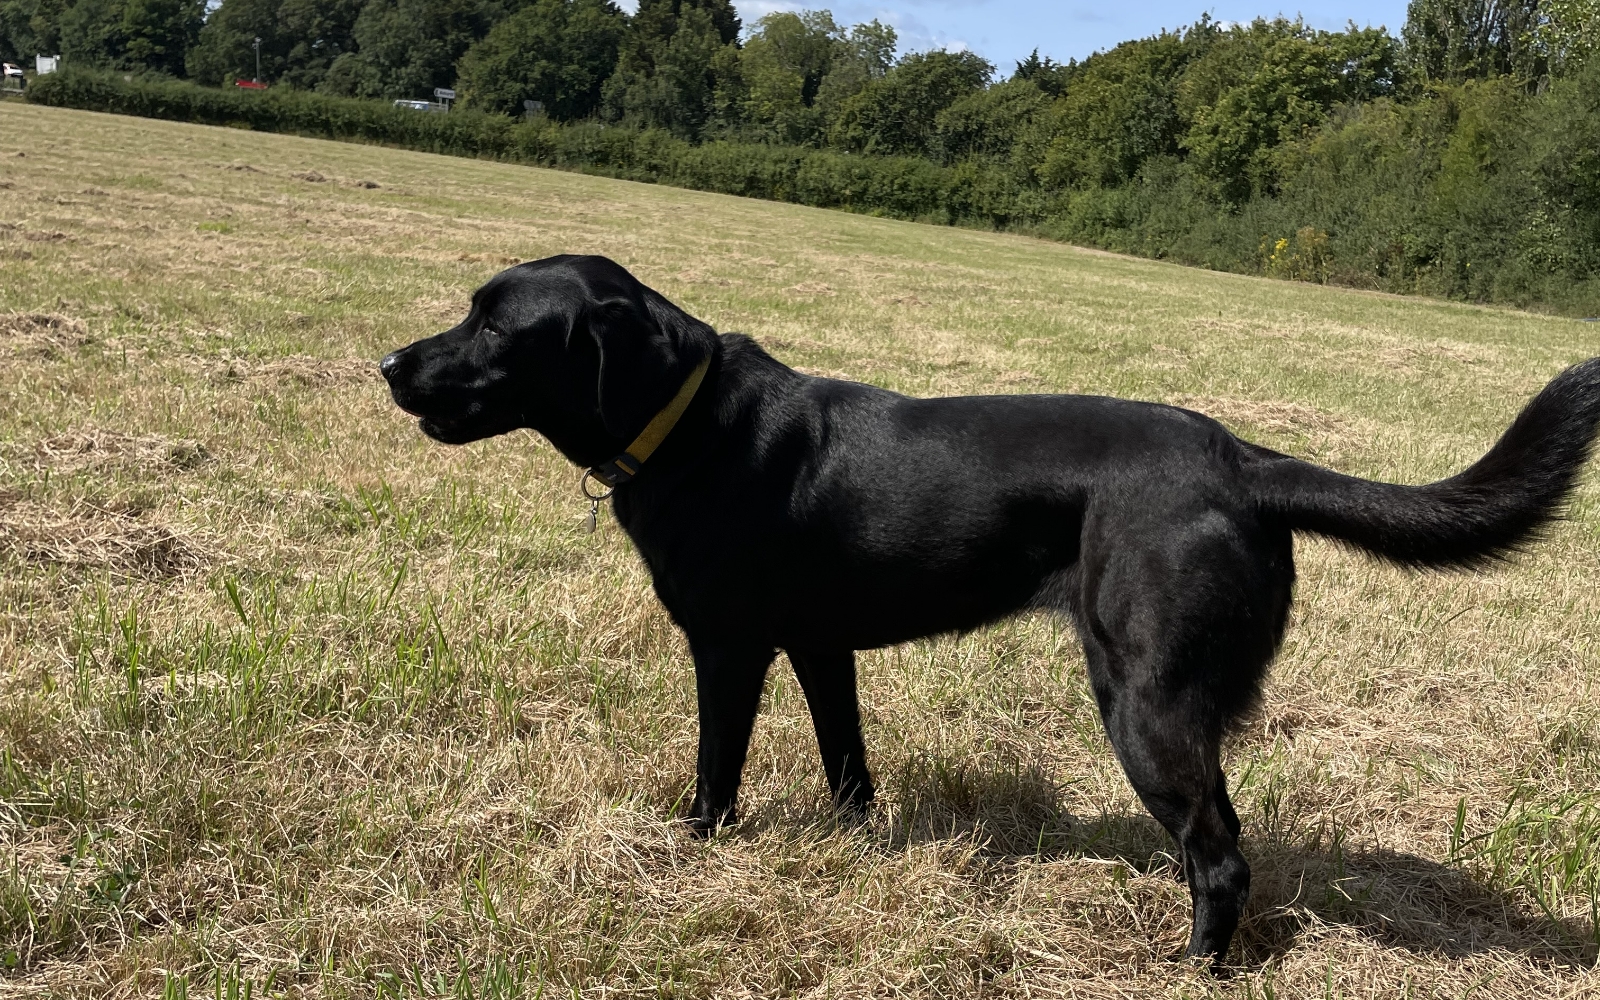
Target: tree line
1459	157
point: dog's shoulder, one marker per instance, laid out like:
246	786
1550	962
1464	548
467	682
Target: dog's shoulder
755	363
774	402
747	365
741	347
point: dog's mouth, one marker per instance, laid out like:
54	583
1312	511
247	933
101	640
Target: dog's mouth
464	430
453	421
448	431
438	428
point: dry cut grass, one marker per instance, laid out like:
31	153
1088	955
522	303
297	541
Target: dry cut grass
295	702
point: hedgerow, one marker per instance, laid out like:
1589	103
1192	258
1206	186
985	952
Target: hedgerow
897	187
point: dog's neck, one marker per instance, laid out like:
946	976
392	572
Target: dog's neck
584	440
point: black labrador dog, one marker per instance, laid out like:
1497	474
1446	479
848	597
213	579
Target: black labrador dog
821	517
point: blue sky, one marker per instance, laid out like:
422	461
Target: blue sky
1004	31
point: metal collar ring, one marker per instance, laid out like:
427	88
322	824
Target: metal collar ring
583	484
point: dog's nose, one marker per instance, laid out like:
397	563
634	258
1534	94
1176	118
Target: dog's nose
390	364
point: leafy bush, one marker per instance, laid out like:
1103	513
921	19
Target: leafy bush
277	110
900	187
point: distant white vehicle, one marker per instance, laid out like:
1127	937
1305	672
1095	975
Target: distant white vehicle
13	74
422	106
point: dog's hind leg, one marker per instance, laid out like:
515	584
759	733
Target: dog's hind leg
1173	766
727	682
1230	818
829	681
1178	630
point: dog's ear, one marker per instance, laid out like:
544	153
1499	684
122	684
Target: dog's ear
640	367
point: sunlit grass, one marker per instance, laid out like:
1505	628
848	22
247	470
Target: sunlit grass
294	701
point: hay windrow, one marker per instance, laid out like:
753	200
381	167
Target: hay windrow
46	335
489	258
826	373
298	368
1275	416
93	538
1018	377
96	448
777	345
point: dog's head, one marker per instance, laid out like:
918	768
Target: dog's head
573	347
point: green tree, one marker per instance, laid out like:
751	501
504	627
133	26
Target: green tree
656	21
1046	74
159	33
897	113
406	48
558	52
1569	35
989	122
91	33
300	39
1117	109
1568	159
865	55
673	58
1273	81
1455	40
782	66
29	28
128	34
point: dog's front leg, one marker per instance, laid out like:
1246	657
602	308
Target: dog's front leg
728	681
829	683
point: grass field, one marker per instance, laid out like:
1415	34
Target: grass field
294	701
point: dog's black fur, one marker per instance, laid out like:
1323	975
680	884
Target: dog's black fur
821	517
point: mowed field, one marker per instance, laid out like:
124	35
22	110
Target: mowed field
295	701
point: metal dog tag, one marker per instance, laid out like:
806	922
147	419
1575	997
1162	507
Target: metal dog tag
593	498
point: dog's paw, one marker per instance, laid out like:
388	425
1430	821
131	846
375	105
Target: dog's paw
852	803
699	827
853	811
704	822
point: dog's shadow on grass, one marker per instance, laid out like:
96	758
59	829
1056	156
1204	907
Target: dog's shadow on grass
1298	889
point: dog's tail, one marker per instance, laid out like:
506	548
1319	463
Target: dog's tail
1485	513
